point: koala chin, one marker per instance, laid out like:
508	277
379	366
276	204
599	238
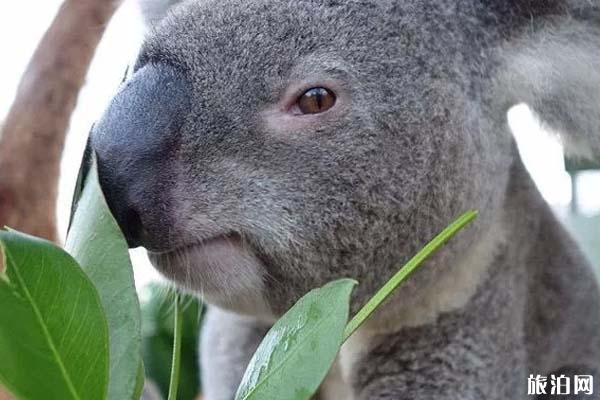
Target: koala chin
262	148
222	270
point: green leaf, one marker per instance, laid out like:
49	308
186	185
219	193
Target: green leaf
296	354
139	382
53	334
411	266
176	361
97	243
158	336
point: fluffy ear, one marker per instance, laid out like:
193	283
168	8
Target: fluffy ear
556	71
155	10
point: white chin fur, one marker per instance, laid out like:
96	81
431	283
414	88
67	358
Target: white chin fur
222	271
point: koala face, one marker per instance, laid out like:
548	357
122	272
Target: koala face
264	148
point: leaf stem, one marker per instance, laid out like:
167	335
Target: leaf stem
407	270
176	361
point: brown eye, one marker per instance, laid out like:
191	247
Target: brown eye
316	100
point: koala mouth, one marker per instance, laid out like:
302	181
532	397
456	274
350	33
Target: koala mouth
222	269
201	253
232	238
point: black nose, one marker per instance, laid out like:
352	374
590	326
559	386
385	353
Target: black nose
136	142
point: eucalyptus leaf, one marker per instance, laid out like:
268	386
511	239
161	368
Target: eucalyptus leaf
296	354
53	334
158	336
97	243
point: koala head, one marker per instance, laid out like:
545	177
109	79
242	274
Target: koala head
261	149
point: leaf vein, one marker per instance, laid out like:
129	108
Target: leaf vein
43	325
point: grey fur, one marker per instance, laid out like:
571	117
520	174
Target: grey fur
154	11
419	135
226	355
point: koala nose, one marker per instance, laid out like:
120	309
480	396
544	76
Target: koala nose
136	142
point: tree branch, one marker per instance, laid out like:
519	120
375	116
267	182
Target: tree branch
33	134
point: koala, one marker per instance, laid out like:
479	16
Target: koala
153	11
262	148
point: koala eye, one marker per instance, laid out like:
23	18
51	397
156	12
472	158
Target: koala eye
315	100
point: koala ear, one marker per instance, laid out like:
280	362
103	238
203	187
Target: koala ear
556	72
153	11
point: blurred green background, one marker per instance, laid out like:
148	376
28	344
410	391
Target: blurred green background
157	341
